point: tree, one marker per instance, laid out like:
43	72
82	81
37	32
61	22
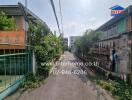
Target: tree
83	44
47	46
6	23
49	49
37	33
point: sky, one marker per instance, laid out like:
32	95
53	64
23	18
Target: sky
77	15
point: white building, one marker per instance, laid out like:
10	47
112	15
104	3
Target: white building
72	42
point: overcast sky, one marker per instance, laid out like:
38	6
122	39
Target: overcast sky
78	15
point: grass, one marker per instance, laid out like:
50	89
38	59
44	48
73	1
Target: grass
119	89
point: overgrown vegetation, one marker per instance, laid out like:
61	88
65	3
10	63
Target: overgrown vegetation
47	48
118	88
7	23
46	45
31	81
83	43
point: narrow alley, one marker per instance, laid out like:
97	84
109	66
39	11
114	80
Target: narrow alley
67	86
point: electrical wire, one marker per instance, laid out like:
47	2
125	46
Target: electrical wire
61	15
53	7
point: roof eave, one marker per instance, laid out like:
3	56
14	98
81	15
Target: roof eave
115	19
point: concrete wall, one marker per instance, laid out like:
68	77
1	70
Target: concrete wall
123	54
122	50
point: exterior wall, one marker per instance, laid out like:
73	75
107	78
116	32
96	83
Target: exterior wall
65	41
111	31
72	42
123	54
15	37
20	22
122	50
12	37
130	53
129	23
117	28
121	26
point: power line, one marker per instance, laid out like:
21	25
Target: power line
61	15
53	6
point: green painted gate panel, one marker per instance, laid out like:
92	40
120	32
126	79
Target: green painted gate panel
18	64
121	26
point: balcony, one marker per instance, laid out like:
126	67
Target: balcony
12	39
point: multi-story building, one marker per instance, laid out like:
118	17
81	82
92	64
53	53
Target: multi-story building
72	42
23	17
115	49
16	57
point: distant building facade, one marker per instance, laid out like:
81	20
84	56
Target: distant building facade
72	42
65	43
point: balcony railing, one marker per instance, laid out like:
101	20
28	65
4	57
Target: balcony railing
12	39
104	51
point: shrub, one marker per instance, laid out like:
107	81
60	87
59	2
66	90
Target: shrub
44	70
118	88
49	50
31	81
106	85
7	24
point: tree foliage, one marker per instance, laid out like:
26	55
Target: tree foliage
89	37
6	23
37	33
47	46
49	49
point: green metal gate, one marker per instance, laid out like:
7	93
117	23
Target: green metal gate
14	65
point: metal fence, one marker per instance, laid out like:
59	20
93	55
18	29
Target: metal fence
14	64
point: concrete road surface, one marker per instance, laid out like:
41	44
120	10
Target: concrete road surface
68	82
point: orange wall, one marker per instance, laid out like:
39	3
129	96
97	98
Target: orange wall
12	37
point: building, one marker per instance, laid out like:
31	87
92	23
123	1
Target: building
117	40
65	43
16	57
23	17
72	42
